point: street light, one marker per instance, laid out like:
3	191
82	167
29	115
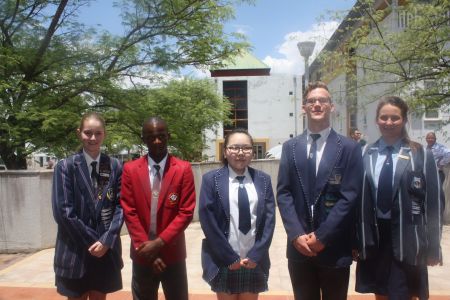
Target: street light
306	49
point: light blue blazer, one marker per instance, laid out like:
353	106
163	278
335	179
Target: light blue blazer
417	207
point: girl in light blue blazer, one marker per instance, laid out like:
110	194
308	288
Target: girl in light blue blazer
400	215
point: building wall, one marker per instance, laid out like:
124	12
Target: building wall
368	96
271	100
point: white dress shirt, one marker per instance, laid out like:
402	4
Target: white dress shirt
241	243
89	160
321	142
382	153
155	196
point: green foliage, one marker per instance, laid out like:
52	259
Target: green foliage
405	50
188	106
52	69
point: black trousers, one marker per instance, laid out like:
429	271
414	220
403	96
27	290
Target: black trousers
145	284
310	281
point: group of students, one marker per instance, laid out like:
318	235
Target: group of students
382	208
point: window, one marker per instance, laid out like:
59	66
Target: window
259	150
236	92
431	113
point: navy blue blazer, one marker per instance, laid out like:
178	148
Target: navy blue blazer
214	213
337	190
417	207
84	216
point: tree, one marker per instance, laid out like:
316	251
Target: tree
52	68
188	106
405	49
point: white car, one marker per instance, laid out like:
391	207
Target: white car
274	152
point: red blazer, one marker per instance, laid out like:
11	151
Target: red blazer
175	206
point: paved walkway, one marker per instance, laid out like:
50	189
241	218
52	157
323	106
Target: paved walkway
32	278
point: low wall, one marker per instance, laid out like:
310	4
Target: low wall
26	220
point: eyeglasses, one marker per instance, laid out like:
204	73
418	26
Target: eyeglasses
246	149
312	101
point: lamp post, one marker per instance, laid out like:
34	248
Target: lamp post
306	49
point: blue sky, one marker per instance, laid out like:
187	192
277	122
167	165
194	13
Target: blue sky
273	27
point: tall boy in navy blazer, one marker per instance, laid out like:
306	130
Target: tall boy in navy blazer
319	221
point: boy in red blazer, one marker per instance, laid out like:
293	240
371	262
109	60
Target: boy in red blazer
158	200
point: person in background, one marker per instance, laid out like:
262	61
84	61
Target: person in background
158	199
400	215
319	184
440	152
237	215
356	135
85	201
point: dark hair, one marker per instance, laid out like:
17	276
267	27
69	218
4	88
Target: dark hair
312	86
227	139
352	130
403	106
92	115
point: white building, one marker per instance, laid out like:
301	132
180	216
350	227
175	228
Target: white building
355	104
266	105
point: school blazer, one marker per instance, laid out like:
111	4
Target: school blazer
336	193
176	205
214	213
84	216
417	207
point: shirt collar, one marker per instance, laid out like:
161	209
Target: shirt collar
89	159
233	174
382	146
323	134
161	164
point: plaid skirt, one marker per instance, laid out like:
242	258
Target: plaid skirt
240	281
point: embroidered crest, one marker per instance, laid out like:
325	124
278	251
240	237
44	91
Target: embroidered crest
173	199
335	177
109	194
103	178
417	182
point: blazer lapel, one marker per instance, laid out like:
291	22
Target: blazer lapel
300	159
145	180
106	171
330	156
369	161
84	180
222	184
169	172
404	159
260	186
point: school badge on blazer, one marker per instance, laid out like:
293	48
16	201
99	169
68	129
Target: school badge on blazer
173	199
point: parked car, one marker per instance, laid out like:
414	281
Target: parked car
3	168
274	152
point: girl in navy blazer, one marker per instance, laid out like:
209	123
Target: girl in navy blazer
400	215
235	252
85	199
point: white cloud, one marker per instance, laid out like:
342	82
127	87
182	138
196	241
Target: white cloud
242	29
291	62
